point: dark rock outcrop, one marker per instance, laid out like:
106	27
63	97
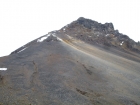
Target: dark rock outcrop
93	24
103	34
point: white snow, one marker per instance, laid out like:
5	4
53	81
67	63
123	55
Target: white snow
22	50
59	39
43	38
89	36
107	35
53	35
4	69
64	29
122	43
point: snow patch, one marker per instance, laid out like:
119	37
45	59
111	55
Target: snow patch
54	35
122	43
22	50
64	29
43	38
107	35
3	69
59	39
89	36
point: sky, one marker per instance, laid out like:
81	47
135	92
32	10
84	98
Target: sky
22	21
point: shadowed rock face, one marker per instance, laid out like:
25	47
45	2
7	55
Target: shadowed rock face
72	66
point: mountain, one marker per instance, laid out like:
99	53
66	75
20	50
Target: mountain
83	63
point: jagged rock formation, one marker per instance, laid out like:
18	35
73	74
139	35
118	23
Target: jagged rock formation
84	63
103	34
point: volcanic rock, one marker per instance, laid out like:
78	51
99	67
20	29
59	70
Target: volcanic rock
83	63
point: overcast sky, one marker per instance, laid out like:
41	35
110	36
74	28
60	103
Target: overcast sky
22	21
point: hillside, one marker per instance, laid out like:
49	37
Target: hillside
83	63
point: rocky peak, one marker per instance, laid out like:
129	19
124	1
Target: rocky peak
94	32
88	23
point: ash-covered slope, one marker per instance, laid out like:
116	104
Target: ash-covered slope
72	66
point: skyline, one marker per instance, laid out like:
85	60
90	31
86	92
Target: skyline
24	21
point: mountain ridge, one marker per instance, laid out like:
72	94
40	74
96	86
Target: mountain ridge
76	65
98	33
105	34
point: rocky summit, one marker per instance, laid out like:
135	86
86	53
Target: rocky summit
83	63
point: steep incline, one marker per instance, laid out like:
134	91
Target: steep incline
62	69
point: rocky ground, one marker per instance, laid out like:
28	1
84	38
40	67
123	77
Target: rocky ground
72	66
